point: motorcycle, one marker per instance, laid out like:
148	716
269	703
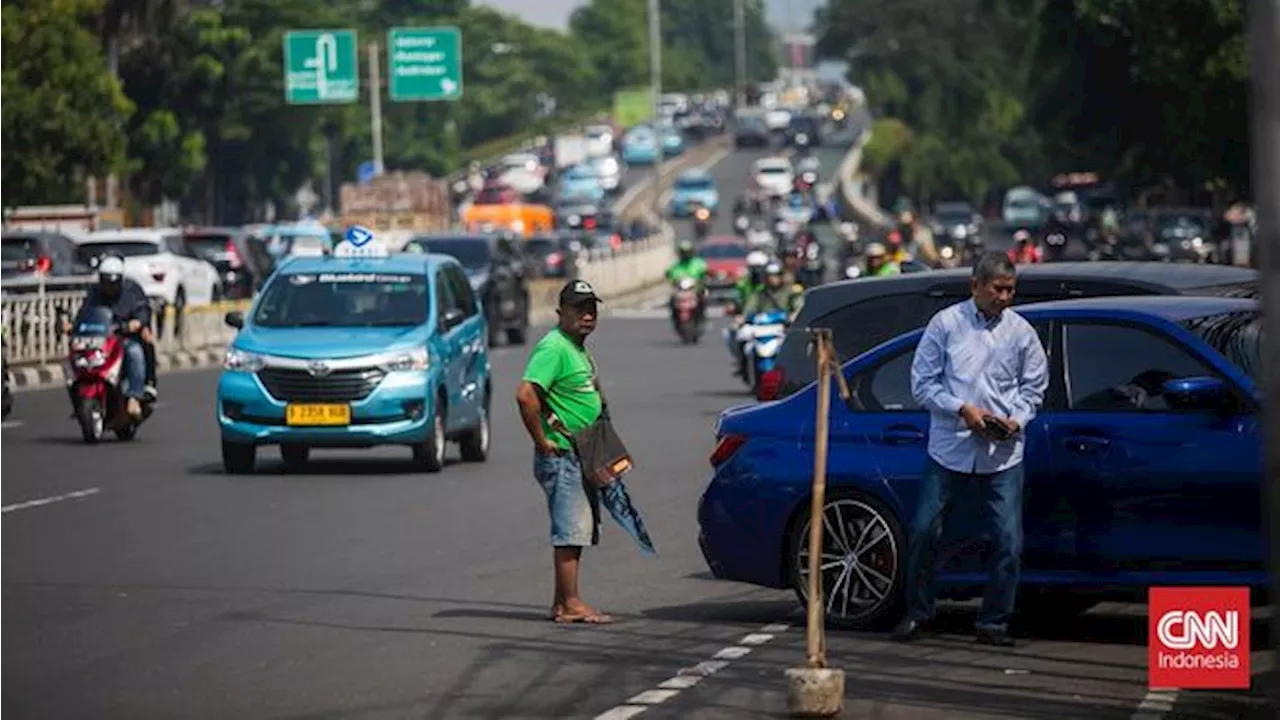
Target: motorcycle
97	360
687	324
701	223
1055	245
761	338
6	402
947	255
741	224
812	267
852	270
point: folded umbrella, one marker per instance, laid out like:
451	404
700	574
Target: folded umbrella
614	497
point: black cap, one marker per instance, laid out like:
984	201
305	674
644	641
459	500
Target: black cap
577	292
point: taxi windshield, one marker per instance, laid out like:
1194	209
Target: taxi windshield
343	299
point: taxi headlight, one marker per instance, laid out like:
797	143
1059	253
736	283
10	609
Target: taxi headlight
241	361
415	359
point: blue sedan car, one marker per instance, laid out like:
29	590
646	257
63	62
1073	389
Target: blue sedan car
672	141
580	183
693	188
640	147
343	352
1143	468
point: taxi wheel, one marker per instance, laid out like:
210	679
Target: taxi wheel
294	456
475	443
238	458
430	454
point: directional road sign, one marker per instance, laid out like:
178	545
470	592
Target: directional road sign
321	66
425	63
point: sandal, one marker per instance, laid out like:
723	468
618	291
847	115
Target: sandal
591	618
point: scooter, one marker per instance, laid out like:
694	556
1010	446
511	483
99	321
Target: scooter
812	268
97	378
761	337
1055	245
701	223
742	224
688	325
6	401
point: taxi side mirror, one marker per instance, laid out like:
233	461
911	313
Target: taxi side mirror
451	319
235	319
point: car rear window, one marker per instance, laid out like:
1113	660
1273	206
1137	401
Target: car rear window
19	249
124	248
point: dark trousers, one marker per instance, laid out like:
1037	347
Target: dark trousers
1001	495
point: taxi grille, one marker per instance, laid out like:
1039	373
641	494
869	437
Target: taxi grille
346	385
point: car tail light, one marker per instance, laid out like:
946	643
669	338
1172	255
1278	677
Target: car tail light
44	264
589	223
771	384
555	259
725	449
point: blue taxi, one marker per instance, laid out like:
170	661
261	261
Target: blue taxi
357	349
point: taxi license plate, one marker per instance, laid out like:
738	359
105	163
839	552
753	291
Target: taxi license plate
307	414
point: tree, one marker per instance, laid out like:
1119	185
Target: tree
63	113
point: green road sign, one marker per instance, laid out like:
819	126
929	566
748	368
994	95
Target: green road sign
320	66
424	63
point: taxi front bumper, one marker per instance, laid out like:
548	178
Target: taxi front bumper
397	411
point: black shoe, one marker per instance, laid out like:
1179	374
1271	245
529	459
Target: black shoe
995	638
908	630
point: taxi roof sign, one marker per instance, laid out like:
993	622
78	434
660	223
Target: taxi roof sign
360	242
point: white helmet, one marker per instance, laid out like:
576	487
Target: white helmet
110	268
757	258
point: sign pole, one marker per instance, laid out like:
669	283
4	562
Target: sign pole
375	108
1263	18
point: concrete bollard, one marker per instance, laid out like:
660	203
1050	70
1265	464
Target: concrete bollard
815	692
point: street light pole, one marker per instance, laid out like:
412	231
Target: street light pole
740	52
655	82
1263	18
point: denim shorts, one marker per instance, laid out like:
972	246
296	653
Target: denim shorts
573	518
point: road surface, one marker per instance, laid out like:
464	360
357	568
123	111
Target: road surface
142	582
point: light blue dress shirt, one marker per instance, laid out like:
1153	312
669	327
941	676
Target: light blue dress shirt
996	365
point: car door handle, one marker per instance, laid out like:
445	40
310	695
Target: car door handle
1086	444
903	435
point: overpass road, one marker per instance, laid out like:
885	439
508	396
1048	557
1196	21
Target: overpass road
359	588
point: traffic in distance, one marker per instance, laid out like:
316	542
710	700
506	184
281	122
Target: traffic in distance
1142	467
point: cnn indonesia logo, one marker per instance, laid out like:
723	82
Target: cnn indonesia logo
1199	638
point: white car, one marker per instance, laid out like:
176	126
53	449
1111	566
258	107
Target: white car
523	173
608	172
777	119
599	140
774	176
159	260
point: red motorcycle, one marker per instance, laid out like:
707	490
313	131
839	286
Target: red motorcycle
97	377
685	302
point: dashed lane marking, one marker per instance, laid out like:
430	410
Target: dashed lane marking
50	500
9	424
689	677
1155	705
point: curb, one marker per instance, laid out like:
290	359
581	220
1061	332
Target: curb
40	377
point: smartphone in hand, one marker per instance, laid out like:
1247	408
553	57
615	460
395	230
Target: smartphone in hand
995	428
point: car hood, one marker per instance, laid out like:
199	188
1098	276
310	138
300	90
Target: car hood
328	343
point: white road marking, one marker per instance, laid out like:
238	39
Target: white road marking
689	677
7	424
1155	705
50	500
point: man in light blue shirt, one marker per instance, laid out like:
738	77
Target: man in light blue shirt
982	373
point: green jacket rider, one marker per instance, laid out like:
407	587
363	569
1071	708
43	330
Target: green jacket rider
688	265
776	295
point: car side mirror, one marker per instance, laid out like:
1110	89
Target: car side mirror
1197	393
235	319
451	319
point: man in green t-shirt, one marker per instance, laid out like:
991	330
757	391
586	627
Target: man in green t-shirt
557	395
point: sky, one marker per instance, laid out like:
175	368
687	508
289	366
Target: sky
555	13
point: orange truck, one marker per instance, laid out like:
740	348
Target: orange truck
524	219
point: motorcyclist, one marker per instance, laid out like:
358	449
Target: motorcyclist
879	262
895	247
916	240
689	265
778	294
747	289
1025	250
129	305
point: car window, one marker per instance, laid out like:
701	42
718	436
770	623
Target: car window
859	327
461	290
1123	367
1238	336
445	299
124	248
887	388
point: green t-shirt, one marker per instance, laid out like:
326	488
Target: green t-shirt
563	370
694	267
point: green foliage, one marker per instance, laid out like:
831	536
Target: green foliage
63	115
996	92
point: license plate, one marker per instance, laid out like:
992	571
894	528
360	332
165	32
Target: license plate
306	414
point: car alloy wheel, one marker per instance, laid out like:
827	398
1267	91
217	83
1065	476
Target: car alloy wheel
861	561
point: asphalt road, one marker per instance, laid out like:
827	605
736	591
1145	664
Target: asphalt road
362	589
